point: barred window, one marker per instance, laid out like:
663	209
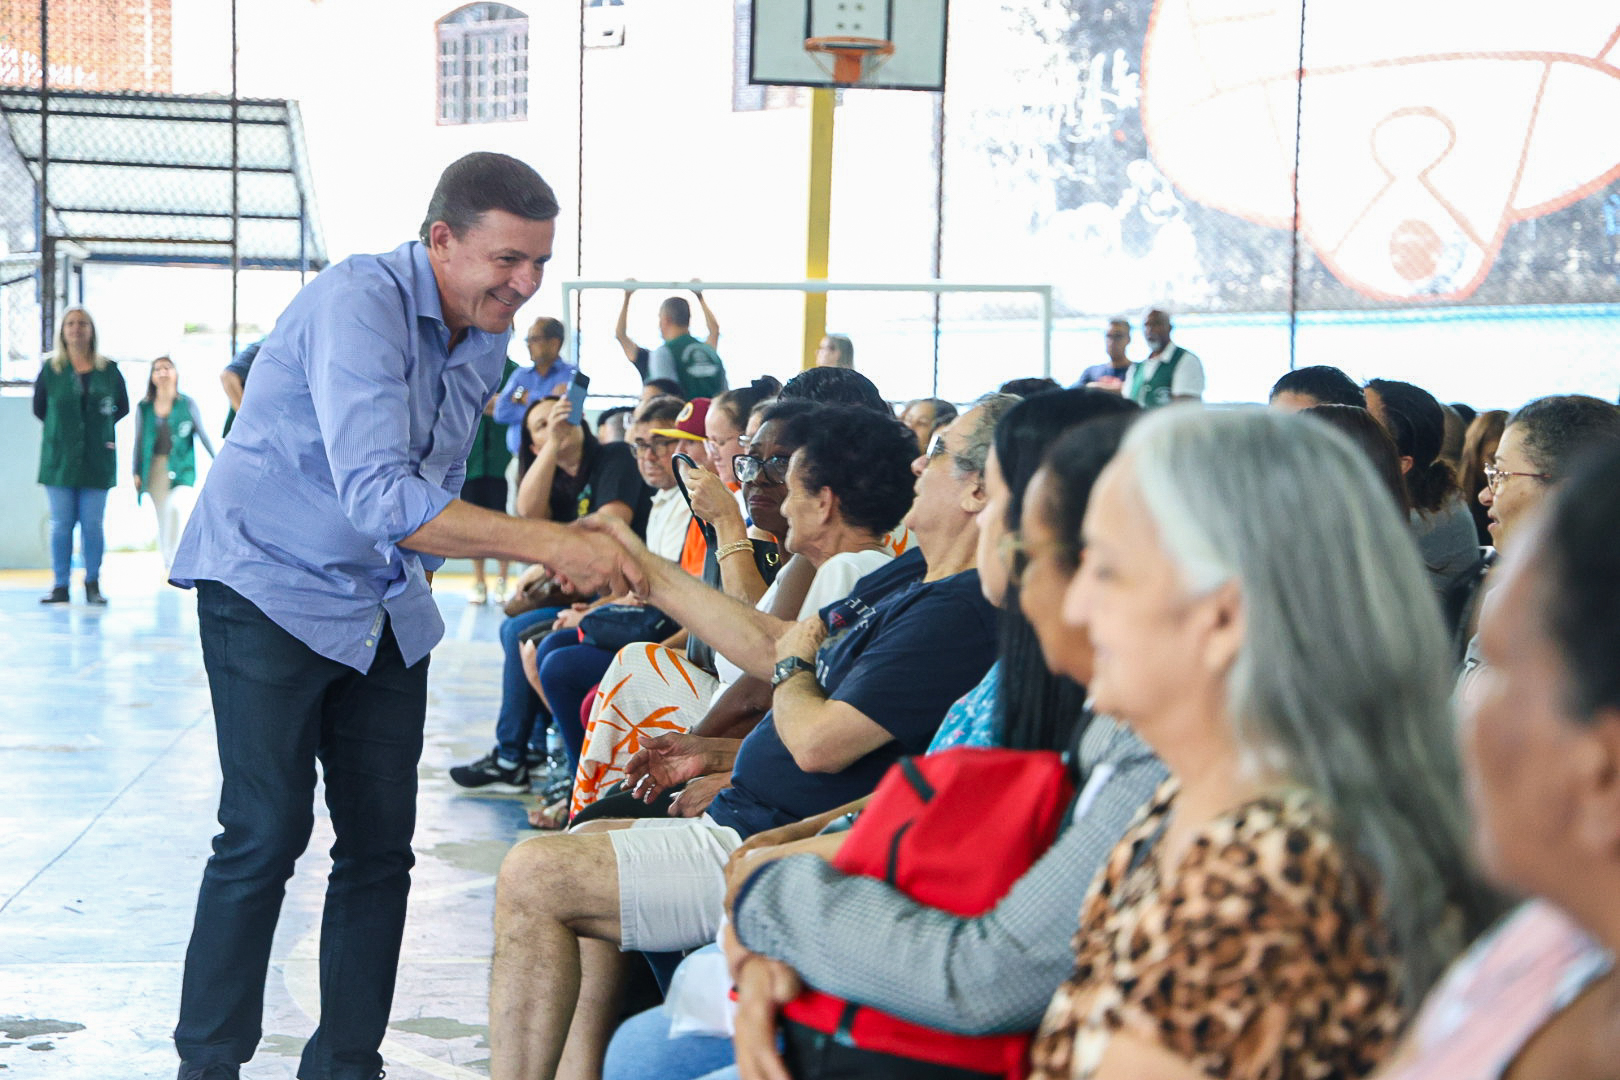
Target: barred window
483	65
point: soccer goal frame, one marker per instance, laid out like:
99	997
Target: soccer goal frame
1044	292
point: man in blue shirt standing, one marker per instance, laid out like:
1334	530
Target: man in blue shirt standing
310	550
548	377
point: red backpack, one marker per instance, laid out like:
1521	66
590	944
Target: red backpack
953	830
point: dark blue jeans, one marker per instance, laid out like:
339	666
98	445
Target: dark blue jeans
279	708
519	722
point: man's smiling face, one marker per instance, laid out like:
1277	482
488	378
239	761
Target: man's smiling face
489	271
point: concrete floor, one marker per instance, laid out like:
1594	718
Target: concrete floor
107	806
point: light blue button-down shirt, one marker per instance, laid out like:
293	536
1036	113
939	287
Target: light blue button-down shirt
353	433
511	413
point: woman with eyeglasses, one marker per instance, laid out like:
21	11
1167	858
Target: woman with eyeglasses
1538	446
1302	880
716	493
854	486
994	973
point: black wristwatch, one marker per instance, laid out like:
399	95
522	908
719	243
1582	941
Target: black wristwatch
789	667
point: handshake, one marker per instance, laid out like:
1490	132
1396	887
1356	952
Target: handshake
600	552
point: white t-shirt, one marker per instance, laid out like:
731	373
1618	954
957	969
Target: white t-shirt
666	524
1188	381
833	581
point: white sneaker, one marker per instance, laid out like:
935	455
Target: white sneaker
500	590
479	594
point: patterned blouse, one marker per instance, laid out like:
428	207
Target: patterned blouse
972	720
1253	960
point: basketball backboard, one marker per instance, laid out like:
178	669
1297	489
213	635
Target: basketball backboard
778	57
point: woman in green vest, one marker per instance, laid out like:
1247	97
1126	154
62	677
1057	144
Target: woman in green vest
166	431
80	395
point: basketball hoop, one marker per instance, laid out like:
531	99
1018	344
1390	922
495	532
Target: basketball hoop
854	59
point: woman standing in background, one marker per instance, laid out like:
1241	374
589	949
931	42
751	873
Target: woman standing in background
166	431
80	395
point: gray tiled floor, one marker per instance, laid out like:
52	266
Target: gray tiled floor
107	801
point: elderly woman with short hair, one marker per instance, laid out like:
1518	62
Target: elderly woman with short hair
1300	881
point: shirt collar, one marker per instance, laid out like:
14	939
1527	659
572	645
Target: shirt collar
425	287
425	291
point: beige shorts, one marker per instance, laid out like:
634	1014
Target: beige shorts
672	883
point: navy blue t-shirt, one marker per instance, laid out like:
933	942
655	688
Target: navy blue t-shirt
900	650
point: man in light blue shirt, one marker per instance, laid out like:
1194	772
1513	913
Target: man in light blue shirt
310	549
548	377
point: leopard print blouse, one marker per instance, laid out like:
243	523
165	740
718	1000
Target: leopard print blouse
1254	960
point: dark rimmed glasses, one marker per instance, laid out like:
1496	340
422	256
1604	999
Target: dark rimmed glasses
655	445
749	469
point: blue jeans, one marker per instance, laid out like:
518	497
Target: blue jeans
84	507
515	725
279	708
568	671
642	1048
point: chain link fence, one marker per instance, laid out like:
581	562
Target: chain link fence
1455	214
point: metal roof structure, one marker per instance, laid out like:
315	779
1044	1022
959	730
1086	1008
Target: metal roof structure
149	178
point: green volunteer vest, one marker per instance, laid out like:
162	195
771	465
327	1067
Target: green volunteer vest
697	366
77	449
489	455
1152	393
182	449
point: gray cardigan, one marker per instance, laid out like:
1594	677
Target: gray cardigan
859	939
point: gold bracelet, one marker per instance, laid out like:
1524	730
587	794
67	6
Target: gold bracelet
732	548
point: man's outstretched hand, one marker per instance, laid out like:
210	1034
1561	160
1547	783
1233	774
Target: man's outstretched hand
631	560
588	560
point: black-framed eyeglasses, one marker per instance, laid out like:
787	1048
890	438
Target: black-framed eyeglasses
1495	478
1018	553
750	468
656	445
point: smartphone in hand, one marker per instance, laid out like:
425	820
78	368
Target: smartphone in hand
576	396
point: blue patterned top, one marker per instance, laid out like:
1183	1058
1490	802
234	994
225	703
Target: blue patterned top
972	720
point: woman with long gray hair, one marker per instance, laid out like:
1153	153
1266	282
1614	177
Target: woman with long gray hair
1259	617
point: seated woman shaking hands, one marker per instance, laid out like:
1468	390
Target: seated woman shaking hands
1259	618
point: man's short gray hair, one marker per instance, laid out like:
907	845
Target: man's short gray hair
976	443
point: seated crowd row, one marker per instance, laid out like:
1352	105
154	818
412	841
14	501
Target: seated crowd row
1056	739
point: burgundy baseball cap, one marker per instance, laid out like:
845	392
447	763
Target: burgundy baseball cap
689	424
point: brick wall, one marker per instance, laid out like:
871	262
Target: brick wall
95	44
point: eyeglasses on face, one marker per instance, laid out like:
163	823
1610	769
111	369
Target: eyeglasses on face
750	468
656	445
1495	478
936	446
